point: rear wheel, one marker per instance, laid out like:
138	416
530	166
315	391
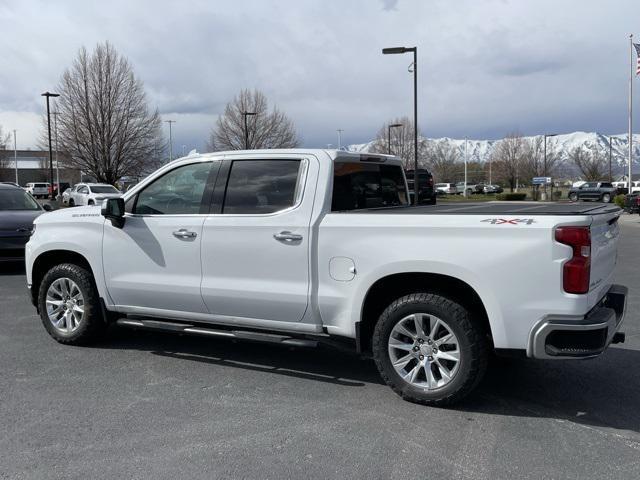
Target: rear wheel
91	202
72	203
428	350
69	305
573	197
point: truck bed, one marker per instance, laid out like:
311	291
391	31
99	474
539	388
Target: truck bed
498	208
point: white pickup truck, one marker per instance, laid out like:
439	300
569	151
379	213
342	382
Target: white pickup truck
308	247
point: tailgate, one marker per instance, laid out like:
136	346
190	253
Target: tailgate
605	233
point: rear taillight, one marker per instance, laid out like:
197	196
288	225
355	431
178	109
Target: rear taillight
576	271
430	181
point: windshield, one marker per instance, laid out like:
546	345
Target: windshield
14	199
103	189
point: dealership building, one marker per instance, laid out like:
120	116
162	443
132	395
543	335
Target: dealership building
33	166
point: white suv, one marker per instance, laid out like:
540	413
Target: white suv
92	193
38	189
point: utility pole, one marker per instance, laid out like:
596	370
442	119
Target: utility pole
15	155
49	95
630	110
170	140
340	138
465	167
610	152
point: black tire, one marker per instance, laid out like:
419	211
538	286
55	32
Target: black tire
72	203
573	197
606	197
473	347
92	324
91	202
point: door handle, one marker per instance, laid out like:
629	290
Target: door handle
287	237
184	233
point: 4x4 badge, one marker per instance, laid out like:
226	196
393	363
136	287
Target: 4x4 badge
510	221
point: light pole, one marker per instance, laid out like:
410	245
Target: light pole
340	138
170	139
15	155
544	193
465	167
610	151
55	130
246	129
398	50
48	95
393	125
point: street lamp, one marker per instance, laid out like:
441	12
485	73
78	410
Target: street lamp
55	129
15	154
393	125
398	50
170	139
48	95
544	193
246	129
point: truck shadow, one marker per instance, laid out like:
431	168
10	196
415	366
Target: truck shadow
603	392
12	267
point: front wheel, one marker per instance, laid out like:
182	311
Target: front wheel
428	350
573	197
606	197
69	305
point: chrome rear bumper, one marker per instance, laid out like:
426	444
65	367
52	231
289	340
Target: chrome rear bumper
567	337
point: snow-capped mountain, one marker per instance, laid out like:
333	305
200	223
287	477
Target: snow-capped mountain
480	150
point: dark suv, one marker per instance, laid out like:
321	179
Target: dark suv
596	191
425	184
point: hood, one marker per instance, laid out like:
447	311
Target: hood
75	214
12	220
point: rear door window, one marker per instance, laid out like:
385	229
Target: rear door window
358	185
261	186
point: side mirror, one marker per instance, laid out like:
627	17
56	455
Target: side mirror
113	209
47	207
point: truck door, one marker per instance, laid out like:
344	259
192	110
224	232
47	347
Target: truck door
255	242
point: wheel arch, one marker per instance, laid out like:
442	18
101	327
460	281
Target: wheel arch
43	263
393	286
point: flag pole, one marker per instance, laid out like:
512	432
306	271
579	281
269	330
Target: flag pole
630	109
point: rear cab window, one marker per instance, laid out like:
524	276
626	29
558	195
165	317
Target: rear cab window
358	185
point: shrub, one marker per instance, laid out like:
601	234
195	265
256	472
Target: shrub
557	194
619	200
511	196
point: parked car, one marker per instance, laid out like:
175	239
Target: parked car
66	195
92	194
632	203
596	191
301	247
472	188
492	189
38	189
446	188
425	183
18	210
62	187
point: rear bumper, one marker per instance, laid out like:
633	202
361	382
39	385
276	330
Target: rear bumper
567	337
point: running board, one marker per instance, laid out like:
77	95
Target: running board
210	332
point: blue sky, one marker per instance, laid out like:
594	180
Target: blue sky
485	67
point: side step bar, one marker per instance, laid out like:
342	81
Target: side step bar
186	328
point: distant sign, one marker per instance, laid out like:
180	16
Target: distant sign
541	180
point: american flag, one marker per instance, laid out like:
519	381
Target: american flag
637	45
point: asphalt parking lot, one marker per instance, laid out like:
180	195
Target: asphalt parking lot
151	405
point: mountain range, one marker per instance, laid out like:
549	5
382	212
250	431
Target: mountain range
480	150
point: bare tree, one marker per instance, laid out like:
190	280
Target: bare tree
533	158
105	124
264	129
593	164
507	159
401	142
4	144
444	161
